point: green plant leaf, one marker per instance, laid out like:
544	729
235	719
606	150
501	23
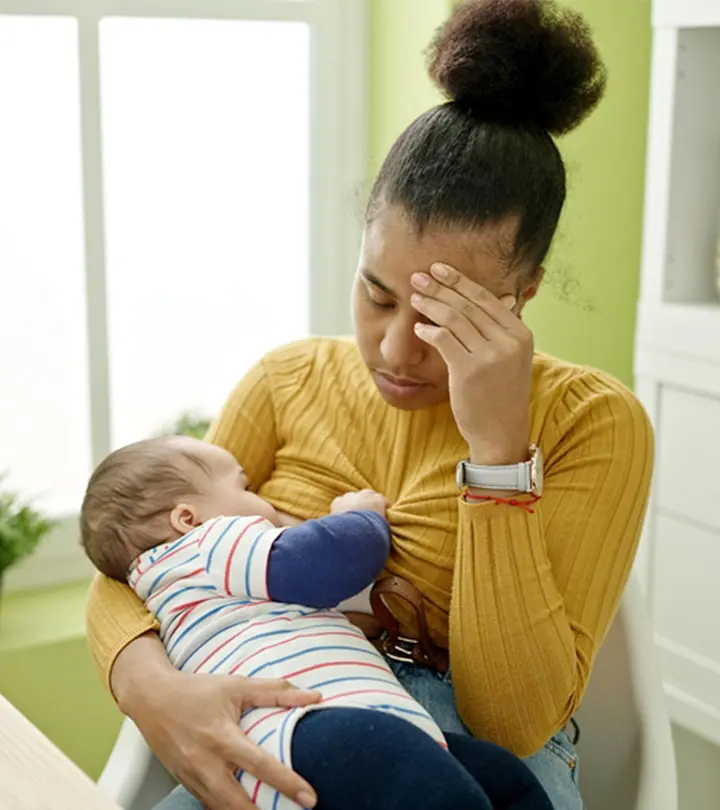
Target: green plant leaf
22	528
189	424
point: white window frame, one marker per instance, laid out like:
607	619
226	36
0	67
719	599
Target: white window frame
338	161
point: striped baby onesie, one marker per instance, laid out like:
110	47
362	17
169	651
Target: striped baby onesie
210	591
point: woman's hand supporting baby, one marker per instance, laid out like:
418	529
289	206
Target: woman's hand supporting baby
192	723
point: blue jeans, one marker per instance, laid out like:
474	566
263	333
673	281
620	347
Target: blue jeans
555	766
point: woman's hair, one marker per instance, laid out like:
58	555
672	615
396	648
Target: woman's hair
129	497
517	73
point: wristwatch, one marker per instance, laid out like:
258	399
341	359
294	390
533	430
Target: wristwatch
524	477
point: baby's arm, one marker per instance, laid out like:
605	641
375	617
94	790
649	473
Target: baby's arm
318	563
322	562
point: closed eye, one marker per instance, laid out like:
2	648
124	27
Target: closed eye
379	303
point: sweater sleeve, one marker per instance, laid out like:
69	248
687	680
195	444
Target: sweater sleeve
534	593
246	427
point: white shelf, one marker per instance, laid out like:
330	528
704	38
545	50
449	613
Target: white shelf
691	331
691	170
682	197
686	13
677	355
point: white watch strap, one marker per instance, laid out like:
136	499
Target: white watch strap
513	477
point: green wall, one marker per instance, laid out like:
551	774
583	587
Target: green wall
56	688
586	311
46	672
400	31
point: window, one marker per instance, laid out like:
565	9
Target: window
206	163
177	197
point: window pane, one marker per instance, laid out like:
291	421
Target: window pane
44	427
205	133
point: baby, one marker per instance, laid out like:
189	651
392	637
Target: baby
236	593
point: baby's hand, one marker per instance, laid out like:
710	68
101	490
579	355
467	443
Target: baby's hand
355	501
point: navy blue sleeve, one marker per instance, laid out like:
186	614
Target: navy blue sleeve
322	562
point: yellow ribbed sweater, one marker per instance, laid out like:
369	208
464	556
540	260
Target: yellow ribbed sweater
522	600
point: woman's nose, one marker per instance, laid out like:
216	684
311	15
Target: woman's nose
400	347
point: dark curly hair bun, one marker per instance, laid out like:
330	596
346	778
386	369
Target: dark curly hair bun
527	63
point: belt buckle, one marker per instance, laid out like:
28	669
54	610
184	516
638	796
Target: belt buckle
400	650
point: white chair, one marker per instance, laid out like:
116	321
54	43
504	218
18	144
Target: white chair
626	752
627	759
132	776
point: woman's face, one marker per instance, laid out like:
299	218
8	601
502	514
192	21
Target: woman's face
408	373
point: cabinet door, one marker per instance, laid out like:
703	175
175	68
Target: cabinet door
687	557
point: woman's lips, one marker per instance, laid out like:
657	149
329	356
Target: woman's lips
398	387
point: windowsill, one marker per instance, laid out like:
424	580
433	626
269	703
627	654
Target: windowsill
42	617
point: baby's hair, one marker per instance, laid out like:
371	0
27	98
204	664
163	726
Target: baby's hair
129	497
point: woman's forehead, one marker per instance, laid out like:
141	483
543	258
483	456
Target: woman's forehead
393	249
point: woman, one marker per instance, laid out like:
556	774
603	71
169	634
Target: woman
518	582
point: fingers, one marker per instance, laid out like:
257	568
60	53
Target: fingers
441	304
450	278
225	749
269	693
263	766
471	328
293	698
450	285
450	348
219	790
477	319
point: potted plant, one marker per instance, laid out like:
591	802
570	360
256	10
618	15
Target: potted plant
21	530
190	424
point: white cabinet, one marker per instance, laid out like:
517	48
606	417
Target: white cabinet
685	13
677	358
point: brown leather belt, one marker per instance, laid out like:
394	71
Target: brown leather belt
422	651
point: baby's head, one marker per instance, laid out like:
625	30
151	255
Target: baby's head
154	492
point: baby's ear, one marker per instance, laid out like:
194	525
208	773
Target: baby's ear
184	518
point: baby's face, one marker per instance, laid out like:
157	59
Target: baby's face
227	493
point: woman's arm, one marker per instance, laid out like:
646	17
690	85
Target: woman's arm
114	618
534	594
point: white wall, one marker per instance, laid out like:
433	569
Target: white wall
698	763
